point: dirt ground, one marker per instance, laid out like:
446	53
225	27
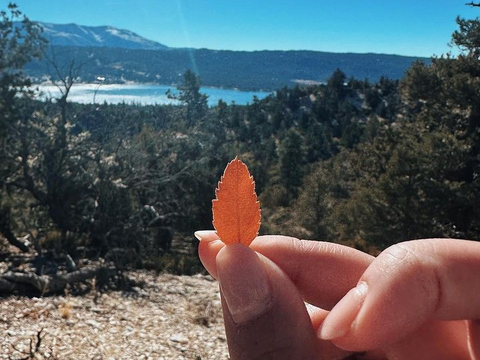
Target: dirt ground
170	317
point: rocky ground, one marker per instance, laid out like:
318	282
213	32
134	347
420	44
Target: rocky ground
168	317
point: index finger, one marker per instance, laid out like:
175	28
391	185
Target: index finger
323	272
422	280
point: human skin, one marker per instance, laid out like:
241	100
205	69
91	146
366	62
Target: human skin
416	300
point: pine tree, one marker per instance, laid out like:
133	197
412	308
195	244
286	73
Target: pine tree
190	95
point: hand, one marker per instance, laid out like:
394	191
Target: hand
396	312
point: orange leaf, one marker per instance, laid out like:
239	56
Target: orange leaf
236	210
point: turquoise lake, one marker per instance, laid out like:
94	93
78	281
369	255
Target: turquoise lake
143	94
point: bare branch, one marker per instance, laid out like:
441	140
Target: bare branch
66	74
7	232
473	4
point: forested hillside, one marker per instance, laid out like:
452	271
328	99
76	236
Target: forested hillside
257	70
363	163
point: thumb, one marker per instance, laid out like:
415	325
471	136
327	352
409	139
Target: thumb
265	316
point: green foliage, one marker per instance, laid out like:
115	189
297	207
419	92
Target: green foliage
20	41
467	37
313	206
292	160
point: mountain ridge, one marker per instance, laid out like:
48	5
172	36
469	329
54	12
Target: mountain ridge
73	34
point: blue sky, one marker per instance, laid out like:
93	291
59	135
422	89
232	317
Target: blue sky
406	27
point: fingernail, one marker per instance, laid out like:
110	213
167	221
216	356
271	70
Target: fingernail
244	283
205	235
340	319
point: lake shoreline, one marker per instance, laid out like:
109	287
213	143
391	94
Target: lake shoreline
141	94
44	83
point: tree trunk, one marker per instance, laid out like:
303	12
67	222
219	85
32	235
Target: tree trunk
8	234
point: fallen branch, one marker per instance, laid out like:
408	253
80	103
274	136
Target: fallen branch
12	281
6	286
